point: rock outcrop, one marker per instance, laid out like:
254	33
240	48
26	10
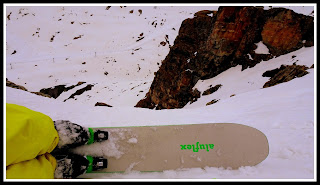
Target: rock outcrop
284	74
59	89
211	90
214	41
102	104
286	31
80	91
212	102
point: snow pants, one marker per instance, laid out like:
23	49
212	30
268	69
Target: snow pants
30	137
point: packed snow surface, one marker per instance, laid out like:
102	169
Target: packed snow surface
117	49
261	48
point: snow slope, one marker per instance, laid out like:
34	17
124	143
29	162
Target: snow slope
108	43
285	112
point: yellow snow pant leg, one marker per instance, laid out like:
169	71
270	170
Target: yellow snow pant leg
42	167
29	134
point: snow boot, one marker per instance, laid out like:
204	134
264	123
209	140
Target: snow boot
70	166
72	135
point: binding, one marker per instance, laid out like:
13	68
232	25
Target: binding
97	136
96	163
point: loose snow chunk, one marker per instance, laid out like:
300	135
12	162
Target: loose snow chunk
131	166
197	158
182	160
262	49
133	140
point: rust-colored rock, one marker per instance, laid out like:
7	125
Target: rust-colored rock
233	35
212	102
173	82
285	31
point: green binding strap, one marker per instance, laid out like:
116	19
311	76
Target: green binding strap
91	139
90	159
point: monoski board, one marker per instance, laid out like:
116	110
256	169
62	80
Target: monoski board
159	148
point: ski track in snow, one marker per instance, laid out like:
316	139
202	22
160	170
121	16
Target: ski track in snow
284	113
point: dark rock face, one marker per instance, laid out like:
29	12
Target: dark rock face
54	91
13	85
172	82
208	45
284	74
57	90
